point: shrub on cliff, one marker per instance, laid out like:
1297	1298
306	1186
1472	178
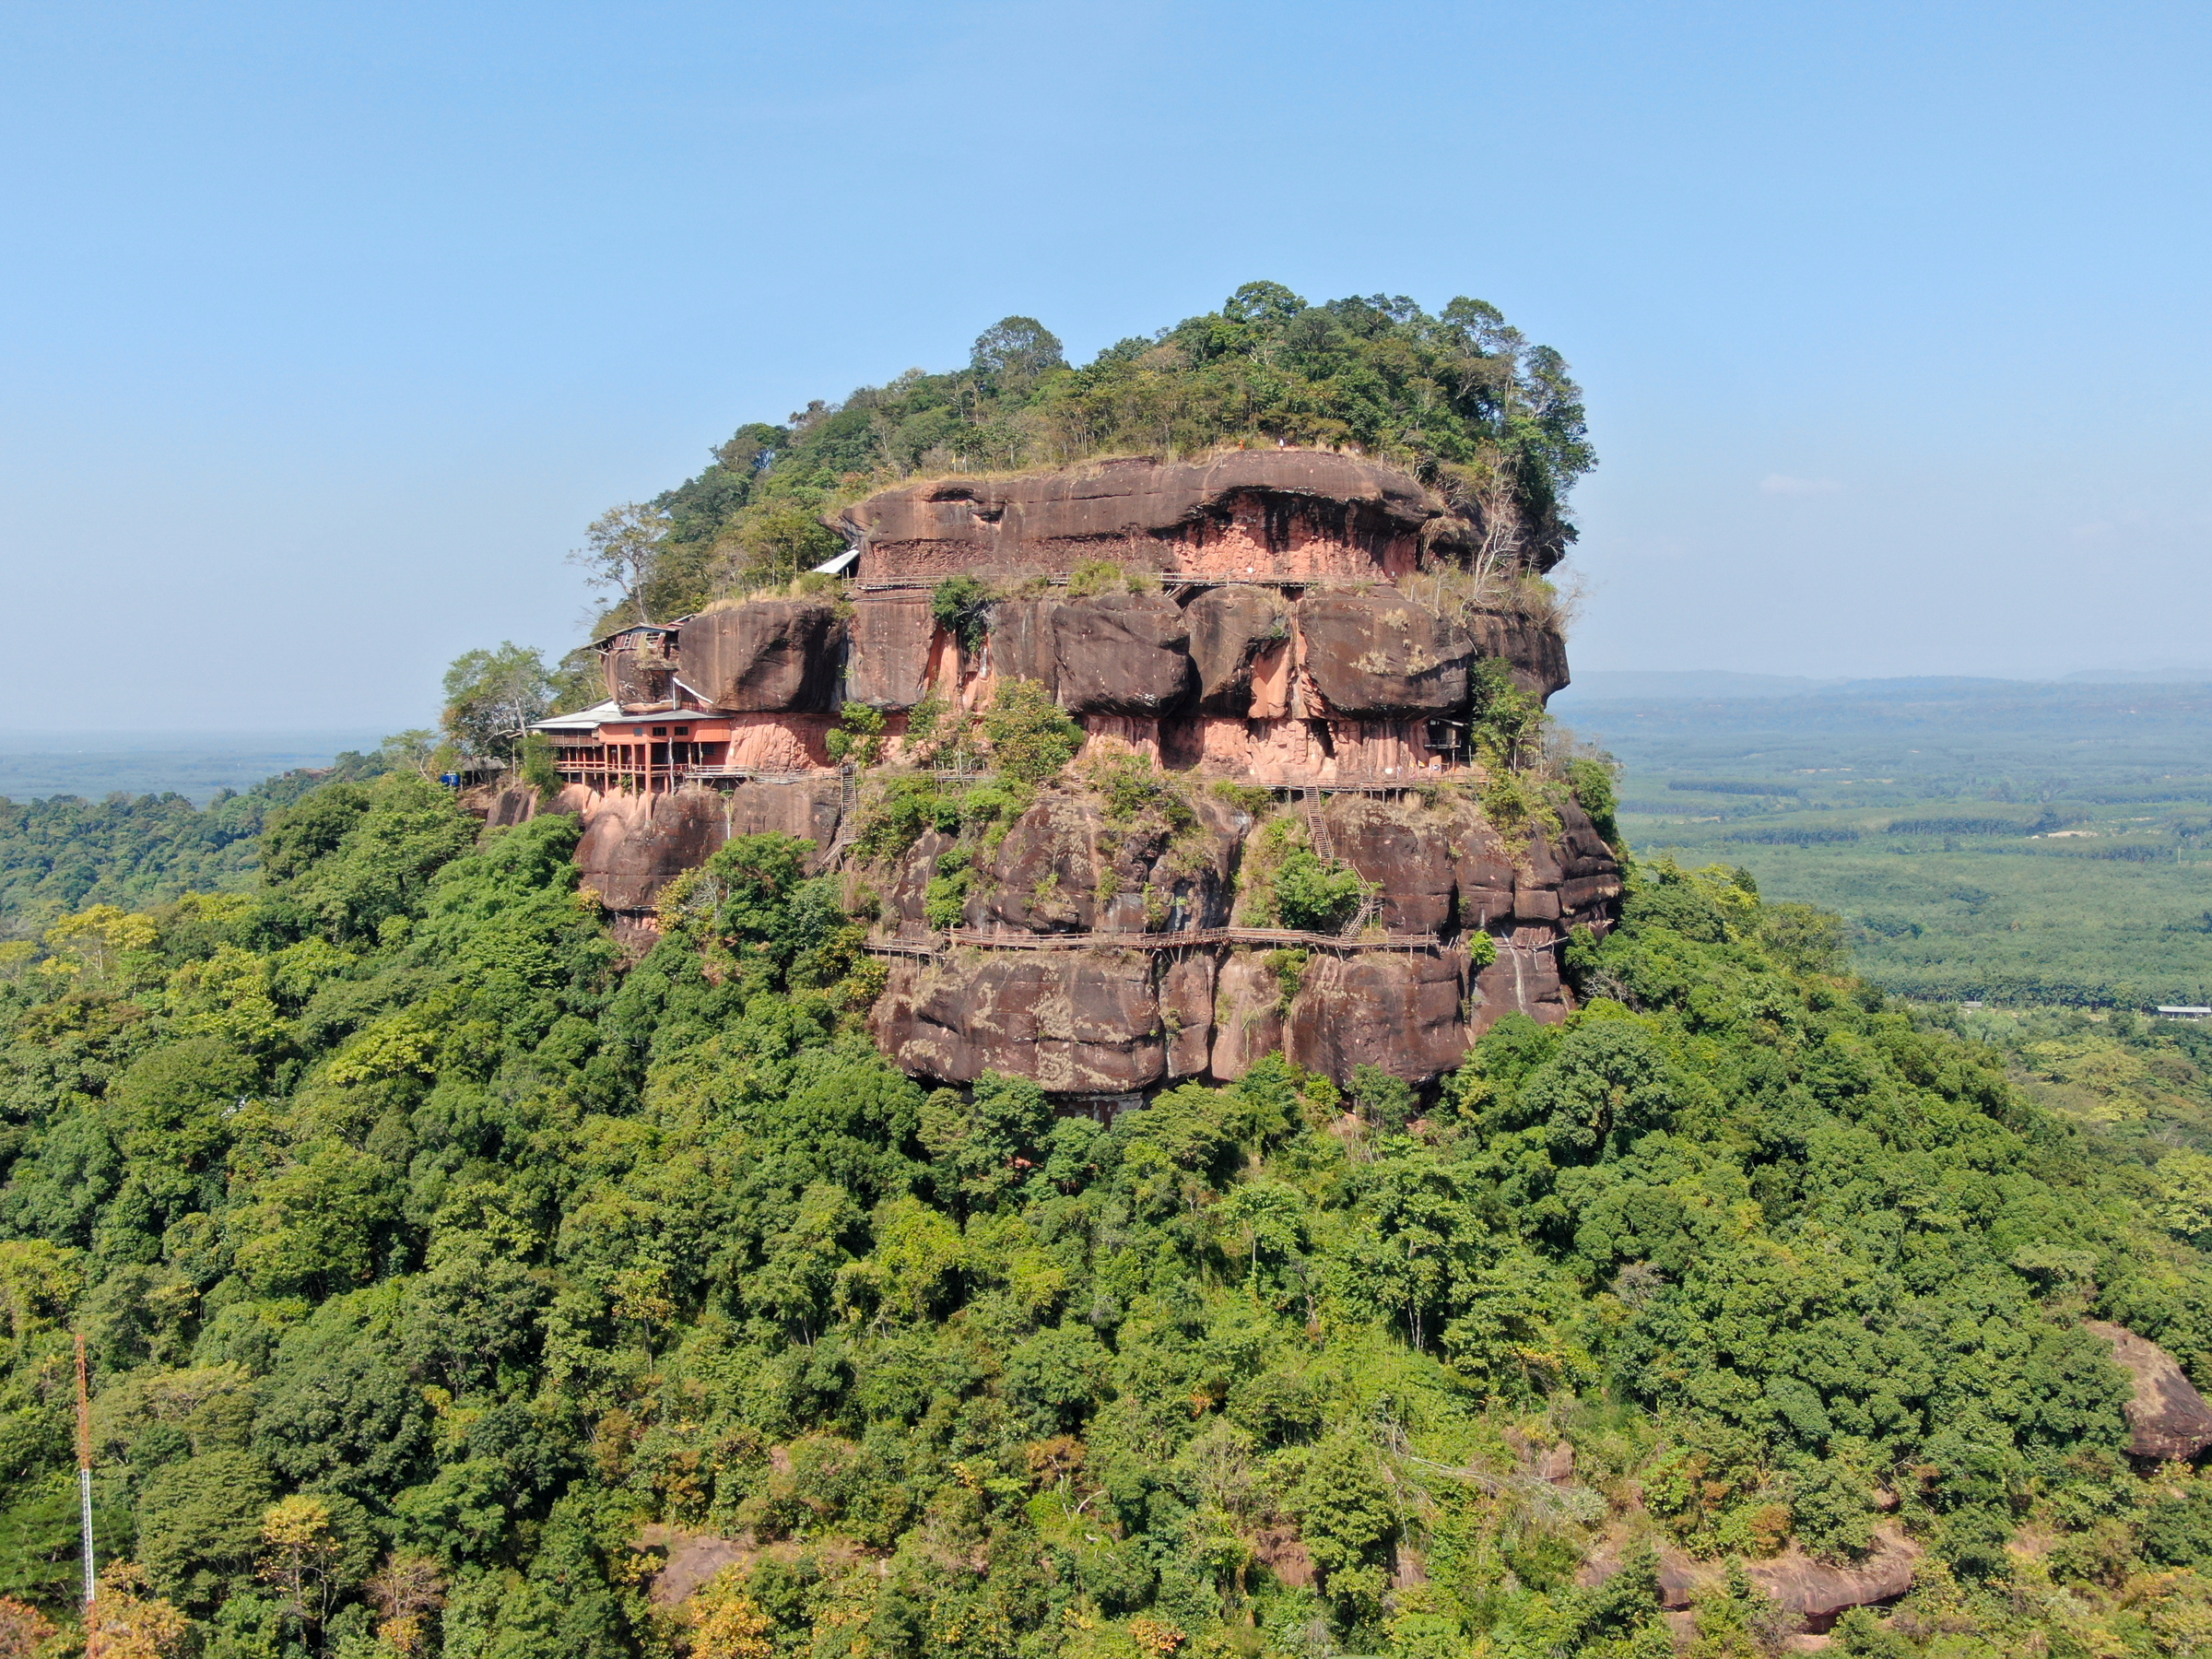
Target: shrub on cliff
1030	737
1459	397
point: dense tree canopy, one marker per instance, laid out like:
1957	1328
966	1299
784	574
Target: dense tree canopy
443	1276
63	851
1460	397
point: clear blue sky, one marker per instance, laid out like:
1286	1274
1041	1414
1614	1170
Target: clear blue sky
327	328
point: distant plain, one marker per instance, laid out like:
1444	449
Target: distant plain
2007	842
197	765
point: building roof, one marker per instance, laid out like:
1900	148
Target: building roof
614	713
603	641
583	719
838	565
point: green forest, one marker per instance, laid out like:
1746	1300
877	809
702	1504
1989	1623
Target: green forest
62	853
1996	842
444	1280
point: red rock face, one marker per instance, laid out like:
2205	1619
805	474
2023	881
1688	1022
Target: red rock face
1301	513
766	656
1077	1022
893	636
1299	638
633	845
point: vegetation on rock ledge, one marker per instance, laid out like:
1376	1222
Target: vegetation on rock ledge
1460	398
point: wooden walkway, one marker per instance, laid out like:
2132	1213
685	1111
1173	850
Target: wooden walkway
1284	937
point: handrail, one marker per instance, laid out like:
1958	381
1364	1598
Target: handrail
1151	941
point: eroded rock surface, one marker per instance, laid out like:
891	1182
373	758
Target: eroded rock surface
893	638
1123	654
2166	1416
1819	1593
633	845
1078	1022
1813	1592
1231	628
1308	511
1064	867
1383	655
766	656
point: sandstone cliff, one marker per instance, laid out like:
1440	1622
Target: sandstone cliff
1298	624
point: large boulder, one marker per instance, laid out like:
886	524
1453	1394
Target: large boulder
1813	1593
1818	1592
634	845
1380	655
1074	1021
764	655
1023	642
1229	628
1123	654
2166	1416
892	636
1398	1010
808	808
639	670
1531	649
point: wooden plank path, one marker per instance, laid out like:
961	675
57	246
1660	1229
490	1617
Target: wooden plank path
1287	936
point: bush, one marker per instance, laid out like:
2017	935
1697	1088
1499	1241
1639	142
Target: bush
962	606
1313	896
1593	783
1094	576
1030	737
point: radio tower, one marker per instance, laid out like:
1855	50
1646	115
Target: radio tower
84	1485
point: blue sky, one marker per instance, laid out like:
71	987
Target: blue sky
328	329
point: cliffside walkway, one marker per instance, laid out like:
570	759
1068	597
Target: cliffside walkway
937	945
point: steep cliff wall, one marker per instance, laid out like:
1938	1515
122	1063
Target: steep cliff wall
1294	512
1296	631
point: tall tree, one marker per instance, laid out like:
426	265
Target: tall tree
493	696
625	549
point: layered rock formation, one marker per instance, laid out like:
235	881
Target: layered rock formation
1277	618
1146	998
1298	512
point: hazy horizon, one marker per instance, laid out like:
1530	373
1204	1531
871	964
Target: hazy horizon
348	323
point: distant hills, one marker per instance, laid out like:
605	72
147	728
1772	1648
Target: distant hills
1703	685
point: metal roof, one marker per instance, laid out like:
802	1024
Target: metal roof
583	719
614	713
840	564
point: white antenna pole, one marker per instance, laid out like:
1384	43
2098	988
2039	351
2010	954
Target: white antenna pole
84	1474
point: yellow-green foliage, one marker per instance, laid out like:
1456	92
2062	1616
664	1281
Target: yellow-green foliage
435	1272
1030	737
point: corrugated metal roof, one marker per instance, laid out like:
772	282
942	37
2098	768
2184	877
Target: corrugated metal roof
583	720
838	565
